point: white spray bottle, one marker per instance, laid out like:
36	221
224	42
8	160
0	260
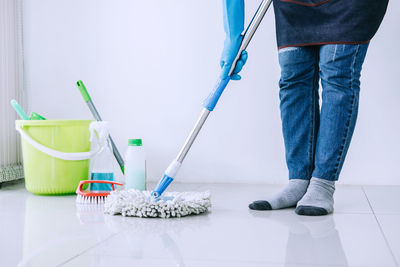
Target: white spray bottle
101	163
135	165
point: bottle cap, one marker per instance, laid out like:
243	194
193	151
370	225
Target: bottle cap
135	142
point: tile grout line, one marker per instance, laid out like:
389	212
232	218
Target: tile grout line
87	249
380	228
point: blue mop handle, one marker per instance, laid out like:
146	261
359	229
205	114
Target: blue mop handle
209	103
212	99
161	186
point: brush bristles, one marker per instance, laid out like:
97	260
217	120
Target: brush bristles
90	199
171	204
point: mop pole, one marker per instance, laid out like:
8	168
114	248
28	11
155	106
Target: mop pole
96	115
210	103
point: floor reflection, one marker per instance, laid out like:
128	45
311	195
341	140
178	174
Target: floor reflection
310	239
135	235
12	210
137	231
52	235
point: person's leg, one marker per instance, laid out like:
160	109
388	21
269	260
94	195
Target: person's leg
300	121
340	68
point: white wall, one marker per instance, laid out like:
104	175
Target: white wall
149	64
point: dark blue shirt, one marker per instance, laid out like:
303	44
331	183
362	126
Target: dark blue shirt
313	22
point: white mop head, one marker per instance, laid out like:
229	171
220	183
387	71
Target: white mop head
172	204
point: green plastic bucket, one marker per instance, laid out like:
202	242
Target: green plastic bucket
56	154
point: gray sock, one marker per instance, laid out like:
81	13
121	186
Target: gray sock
286	198
319	198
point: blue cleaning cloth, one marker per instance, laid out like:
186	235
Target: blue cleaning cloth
109	176
233	15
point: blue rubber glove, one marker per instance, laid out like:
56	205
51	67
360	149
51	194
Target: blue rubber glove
233	14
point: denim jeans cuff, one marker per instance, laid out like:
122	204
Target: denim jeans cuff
325	176
299	175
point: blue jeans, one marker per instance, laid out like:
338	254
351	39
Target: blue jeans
317	140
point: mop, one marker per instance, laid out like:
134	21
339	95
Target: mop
173	204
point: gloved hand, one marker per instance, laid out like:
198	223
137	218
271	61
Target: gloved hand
233	15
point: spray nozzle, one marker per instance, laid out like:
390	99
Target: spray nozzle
99	132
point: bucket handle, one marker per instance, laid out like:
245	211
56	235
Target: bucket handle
55	153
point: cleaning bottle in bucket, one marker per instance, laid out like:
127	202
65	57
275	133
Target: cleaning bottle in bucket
135	165
101	163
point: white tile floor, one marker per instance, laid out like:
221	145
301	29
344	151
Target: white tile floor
52	231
